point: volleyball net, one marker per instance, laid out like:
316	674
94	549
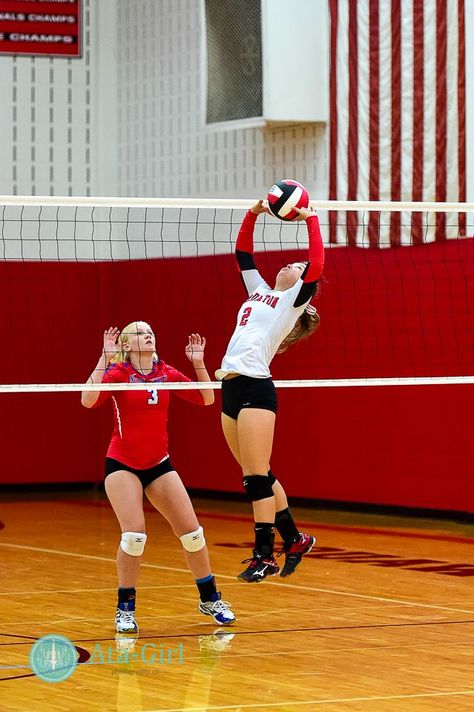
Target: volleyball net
395	301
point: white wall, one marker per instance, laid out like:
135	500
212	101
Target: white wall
56	127
164	149
127	119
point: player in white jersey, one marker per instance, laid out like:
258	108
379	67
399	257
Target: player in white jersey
267	323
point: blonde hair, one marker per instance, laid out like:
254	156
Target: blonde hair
306	325
122	355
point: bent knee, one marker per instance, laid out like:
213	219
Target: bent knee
193	541
133	543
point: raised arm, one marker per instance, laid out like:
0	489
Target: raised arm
314	268
244	248
195	353
90	398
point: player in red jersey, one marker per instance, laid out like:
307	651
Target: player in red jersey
268	322
137	461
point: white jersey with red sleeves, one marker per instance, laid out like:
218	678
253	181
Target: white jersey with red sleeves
140	436
268	315
263	322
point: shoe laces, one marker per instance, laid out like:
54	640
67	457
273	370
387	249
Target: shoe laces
286	547
257	559
127	616
221	606
284	550
252	559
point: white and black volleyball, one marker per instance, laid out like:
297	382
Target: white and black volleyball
286	195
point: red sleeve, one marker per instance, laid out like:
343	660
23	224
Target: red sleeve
316	250
245	236
176	376
113	374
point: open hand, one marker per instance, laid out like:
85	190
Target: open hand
111	347
260	207
303	213
195	348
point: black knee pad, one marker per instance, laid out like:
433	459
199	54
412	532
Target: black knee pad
271	477
258	487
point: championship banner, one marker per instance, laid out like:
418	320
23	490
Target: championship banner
40	27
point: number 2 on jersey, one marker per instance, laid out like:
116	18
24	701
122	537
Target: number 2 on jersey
245	316
153	399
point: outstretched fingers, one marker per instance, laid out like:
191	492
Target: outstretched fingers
303	213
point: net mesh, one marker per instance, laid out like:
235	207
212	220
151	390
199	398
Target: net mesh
391	311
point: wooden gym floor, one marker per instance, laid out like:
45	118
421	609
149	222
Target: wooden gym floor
380	618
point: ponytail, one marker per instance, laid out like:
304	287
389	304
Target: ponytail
307	323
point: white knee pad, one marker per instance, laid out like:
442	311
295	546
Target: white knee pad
133	543
194	541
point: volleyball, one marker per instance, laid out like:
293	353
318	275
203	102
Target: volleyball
286	195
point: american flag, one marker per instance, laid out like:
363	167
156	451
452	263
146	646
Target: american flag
397	116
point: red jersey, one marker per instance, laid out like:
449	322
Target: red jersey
140	436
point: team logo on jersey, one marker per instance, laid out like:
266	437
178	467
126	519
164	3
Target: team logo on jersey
140	379
266	299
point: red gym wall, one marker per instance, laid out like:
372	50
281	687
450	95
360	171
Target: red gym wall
396	312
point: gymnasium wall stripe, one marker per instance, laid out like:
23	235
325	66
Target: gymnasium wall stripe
352	156
461	87
374	100
441	111
396	134
418	114
333	4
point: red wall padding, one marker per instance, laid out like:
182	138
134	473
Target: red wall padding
395	312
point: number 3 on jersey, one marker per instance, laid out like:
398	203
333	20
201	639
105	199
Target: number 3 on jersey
245	316
153	399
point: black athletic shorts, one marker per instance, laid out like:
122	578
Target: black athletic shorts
145	476
246	392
